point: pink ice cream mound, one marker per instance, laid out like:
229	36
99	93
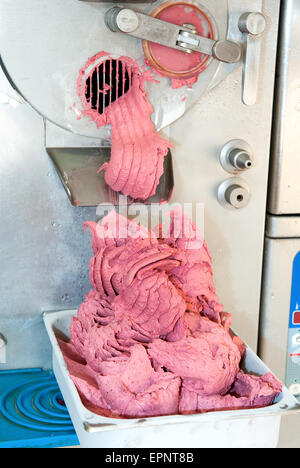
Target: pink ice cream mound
151	337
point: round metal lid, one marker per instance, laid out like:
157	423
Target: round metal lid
44	44
191	15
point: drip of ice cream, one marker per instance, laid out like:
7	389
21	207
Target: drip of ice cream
137	150
151	337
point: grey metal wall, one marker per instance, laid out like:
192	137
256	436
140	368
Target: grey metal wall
43	250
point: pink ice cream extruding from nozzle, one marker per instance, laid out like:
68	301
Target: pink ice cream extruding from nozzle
112	93
151	337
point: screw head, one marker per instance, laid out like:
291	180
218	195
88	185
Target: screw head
253	23
127	20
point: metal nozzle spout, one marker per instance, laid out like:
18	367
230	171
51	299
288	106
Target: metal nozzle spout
240	159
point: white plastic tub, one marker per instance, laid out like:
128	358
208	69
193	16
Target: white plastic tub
229	429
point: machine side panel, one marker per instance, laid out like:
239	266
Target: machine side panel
280	299
284	193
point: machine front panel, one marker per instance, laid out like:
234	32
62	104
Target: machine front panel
36	211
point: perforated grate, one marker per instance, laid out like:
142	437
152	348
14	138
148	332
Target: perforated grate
108	82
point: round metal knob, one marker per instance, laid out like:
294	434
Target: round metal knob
121	19
237	196
253	23
227	51
234	193
127	20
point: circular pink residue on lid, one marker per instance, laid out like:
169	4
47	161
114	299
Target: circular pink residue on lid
172	62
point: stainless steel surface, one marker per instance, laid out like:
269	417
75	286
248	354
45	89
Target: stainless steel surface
283	227
3	341
252	25
279	338
190	27
3	344
151	29
56	72
43	251
236	156
273	334
275	338
289	432
77	160
47	73
193	29
234	193
227	51
78	171
284	192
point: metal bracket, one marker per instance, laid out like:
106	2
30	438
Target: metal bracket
186	39
78	172
252	25
183	37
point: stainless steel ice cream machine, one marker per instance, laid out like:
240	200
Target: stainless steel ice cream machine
226	36
208	70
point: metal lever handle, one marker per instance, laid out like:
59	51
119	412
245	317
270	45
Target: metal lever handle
252	25
170	35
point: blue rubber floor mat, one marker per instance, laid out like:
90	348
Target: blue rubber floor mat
32	411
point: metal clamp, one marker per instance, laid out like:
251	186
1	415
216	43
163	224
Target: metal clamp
252	25
184	44
183	37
